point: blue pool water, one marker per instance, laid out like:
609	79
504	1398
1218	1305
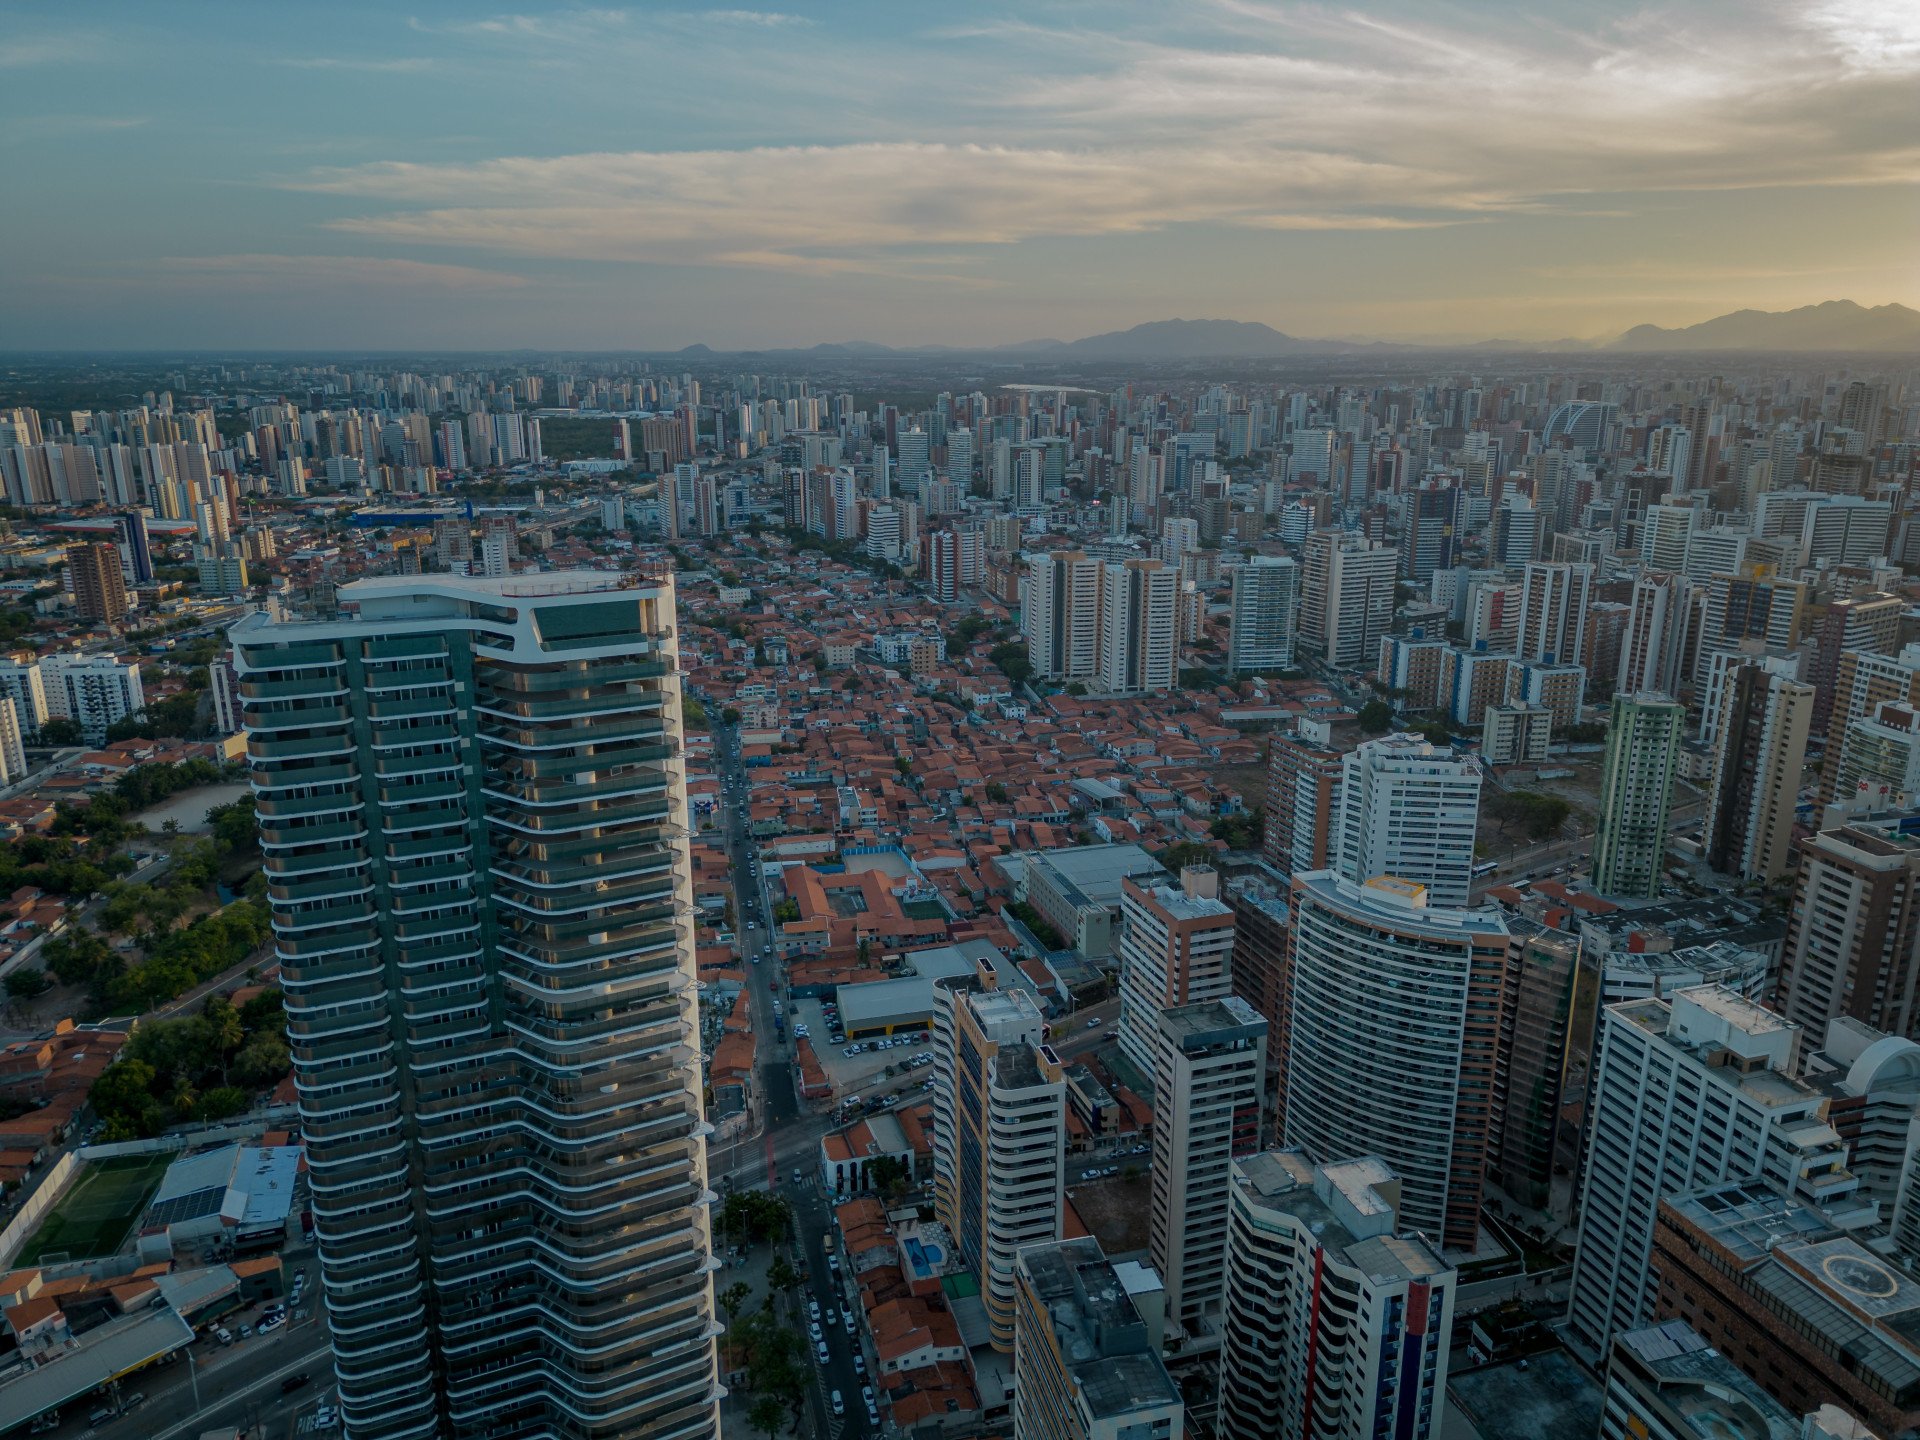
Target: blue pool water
924	1257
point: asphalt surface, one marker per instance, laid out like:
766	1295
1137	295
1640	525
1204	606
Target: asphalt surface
789	1144
238	1386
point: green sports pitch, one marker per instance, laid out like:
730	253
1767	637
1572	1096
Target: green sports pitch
96	1214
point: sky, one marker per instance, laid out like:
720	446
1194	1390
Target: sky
648	176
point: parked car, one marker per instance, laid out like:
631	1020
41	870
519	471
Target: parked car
326	1417
133	1401
223	1335
839	1405
820	1351
271	1323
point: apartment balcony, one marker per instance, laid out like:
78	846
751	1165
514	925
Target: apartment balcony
325	685
269	775
270	807
264	747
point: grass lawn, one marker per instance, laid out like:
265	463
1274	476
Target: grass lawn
93	1218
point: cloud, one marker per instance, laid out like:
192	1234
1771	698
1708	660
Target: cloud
20	52
1255	116
279	273
374	67
767	19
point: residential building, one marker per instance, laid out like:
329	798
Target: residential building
1653	649
1087	1365
1665	532
473	814
1644	735
1863	680
1687	1092
1554	599
1860	622
1009	1143
1543	996
1266	595
1209	1078
1137	648
1880	757
92	690
1393	1041
1338	1318
1061	615
1407	808
1347	597
1410	670
1853	935
1817	1316
1760	750
1516	734
13	753
1303	776
1176	948
1749	607
99	587
1664	1382
21	680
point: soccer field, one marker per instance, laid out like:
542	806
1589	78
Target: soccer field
94	1217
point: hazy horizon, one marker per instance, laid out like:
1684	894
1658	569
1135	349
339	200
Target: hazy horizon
648	177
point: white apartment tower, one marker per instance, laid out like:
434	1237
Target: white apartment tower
1138	649
1207	1088
1176	948
1338	1320
1392	1042
1266	599
1553	611
1688	1093
92	690
472	808
1347	597
1407	808
1008	1137
1061	615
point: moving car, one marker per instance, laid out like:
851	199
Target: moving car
295	1382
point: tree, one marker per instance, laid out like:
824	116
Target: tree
25	983
767	1415
781	1275
729	716
902	764
996	792
1187	852
1375	717
60	730
889	1175
733	1299
227	1031
1011	661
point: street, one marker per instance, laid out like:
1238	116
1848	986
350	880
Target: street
789	1142
238	1387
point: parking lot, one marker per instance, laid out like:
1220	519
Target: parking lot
849	1072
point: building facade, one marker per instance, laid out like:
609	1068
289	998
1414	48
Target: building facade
1636	794
1393	1041
473	815
1337	1322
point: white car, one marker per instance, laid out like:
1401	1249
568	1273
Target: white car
813	1328
846	1319
839	1405
270	1323
820	1351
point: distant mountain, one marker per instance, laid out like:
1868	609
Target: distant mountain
1184	340
1834	325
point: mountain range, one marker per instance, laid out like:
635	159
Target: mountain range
1831	325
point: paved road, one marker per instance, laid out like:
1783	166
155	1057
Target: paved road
790	1144
237	1386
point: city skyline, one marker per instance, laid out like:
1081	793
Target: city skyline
653	177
